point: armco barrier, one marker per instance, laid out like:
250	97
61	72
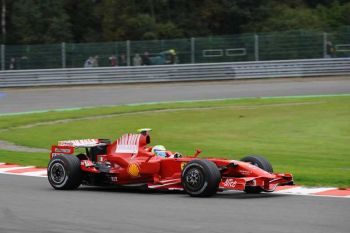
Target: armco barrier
170	73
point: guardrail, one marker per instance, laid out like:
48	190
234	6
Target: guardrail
171	73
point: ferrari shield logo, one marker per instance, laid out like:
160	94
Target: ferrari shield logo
133	169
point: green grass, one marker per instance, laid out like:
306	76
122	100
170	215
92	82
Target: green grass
308	137
23	158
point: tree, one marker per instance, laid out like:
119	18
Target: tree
334	15
36	21
289	18
84	20
51	21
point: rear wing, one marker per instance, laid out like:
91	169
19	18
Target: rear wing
68	146
84	143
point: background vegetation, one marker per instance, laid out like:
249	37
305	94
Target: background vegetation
51	21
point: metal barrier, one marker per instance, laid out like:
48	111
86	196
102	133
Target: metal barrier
171	73
264	46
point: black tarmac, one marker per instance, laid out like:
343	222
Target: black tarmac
30	205
34	99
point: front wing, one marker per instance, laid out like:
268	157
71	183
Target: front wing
267	184
232	183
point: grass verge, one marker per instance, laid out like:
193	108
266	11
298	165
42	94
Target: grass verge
308	137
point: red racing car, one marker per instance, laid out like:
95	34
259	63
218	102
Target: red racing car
131	162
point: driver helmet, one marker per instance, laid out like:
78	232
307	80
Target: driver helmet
159	150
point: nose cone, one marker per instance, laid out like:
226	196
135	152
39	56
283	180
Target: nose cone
248	169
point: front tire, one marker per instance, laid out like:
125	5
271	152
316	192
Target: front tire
201	178
260	162
64	172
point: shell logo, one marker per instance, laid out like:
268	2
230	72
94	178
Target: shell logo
133	169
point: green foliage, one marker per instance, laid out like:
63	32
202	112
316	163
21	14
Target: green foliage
137	27
84	20
50	21
289	18
334	15
168	30
36	21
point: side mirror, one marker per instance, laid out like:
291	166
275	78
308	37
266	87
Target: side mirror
198	151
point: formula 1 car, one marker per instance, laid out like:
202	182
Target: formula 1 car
130	162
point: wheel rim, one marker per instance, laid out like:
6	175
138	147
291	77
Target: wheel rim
194	179
57	173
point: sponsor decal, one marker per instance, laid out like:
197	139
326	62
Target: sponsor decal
244	172
62	150
78	143
183	164
230	183
114	178
133	170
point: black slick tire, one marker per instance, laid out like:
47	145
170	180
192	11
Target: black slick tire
260	162
64	172
200	178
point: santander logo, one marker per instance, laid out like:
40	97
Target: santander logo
230	183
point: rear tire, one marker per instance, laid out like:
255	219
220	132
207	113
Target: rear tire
260	162
201	178
64	172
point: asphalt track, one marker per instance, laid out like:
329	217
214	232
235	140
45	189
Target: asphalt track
30	205
27	99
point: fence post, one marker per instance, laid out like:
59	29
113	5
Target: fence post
325	44
256	47
128	53
63	54
3	57
193	50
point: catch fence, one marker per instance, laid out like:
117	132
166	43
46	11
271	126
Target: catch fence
288	45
